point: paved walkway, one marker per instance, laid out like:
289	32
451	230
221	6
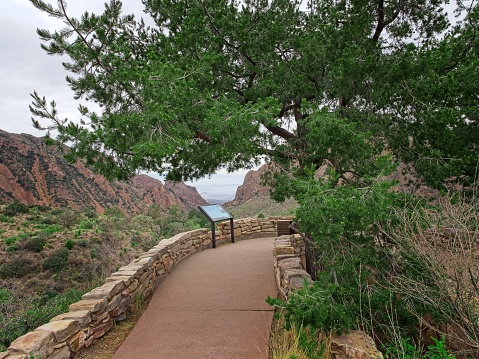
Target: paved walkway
211	306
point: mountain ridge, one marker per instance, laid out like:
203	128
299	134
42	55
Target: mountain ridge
36	174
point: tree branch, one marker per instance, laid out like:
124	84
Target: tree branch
382	23
281	132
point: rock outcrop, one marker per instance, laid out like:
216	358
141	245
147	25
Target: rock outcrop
36	174
251	188
188	195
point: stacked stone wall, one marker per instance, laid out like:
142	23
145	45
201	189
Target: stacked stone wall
98	310
246	228
289	264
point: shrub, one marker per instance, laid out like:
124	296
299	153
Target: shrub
83	242
90	212
35	244
434	252
114	212
12	248
6	219
11	240
69	218
16	268
261	215
15	208
69	244
42	208
21	313
57	260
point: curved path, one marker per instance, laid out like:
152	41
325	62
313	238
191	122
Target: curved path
211	306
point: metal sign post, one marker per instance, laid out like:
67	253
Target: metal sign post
216	213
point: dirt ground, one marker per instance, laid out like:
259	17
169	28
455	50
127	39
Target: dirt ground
106	346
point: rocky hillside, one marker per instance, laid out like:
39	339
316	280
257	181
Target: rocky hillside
188	195
36	174
252	199
251	188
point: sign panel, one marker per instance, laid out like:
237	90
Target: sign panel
215	212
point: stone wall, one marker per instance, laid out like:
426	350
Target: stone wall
289	266
246	228
98	310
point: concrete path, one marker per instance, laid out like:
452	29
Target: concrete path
211	306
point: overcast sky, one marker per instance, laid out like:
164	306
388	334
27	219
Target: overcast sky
25	67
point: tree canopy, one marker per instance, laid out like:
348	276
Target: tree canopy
206	84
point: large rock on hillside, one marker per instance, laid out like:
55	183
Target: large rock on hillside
251	188
188	195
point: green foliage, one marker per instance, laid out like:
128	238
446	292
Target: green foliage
196	220
16	268
15	208
318	308
406	349
69	244
35	244
69	218
207	90
83	242
114	212
10	240
11	248
261	215
21	313
6	219
90	212
57	260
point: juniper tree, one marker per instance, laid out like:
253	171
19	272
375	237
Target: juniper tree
226	83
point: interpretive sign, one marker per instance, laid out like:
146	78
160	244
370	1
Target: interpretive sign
215	213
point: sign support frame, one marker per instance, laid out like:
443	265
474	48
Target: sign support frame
216	213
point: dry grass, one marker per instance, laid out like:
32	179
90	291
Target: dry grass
106	346
443	243
286	344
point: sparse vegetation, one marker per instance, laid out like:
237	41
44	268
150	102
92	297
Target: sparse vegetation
51	256
36	244
57	260
15	208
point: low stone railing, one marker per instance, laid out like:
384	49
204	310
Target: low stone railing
289	265
247	228
98	310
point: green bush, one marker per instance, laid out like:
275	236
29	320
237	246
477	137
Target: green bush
69	218
12	248
16	268
6	219
90	212
114	212
35	244
405	348
83	242
21	313
15	208
10	240
69	244
57	260
42	208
